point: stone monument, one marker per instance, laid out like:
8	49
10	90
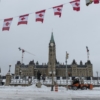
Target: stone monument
38	84
8	79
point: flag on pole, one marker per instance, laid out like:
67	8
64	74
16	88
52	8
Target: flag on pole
23	19
40	15
67	55
19	49
76	5
88	2
58	10
6	24
87	49
23	50
96	1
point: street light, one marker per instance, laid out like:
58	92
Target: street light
66	71
52	83
97	76
20	75
52	73
20	72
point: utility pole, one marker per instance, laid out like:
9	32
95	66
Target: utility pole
66	71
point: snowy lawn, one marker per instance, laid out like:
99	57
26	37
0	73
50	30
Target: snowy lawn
45	92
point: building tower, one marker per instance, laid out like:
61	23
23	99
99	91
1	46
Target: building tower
52	57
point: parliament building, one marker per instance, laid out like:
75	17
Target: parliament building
53	66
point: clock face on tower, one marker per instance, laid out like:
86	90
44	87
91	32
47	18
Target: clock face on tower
51	44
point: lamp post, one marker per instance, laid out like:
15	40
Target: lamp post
66	71
20	72
9	68
97	76
20	75
52	73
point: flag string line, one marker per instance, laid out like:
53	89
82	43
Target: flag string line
34	12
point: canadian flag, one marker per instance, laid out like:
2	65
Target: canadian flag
58	10
87	49
40	15
76	5
6	24
96	1
23	19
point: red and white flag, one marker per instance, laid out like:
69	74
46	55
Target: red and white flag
76	5
87	49
40	15
23	19
58	10
96	1
6	24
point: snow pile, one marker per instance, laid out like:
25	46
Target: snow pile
32	88
61	89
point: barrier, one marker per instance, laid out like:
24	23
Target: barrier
91	86
56	88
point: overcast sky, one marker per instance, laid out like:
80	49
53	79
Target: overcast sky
72	33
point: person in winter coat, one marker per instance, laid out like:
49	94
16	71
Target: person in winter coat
43	77
38	75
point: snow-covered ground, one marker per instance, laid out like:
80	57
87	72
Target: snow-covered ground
45	93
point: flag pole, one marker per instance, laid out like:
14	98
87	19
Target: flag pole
87	53
66	71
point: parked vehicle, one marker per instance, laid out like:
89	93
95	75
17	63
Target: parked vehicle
76	84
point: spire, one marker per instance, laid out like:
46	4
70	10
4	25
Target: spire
52	38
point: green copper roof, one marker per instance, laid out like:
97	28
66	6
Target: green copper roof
52	38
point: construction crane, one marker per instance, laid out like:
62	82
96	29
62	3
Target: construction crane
23	51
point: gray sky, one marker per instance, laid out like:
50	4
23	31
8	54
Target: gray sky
72	33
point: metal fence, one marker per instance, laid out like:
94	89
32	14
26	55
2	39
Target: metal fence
48	81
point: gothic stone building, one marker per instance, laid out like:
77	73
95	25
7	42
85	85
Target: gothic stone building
59	70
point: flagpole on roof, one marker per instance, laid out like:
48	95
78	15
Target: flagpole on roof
66	70
87	53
